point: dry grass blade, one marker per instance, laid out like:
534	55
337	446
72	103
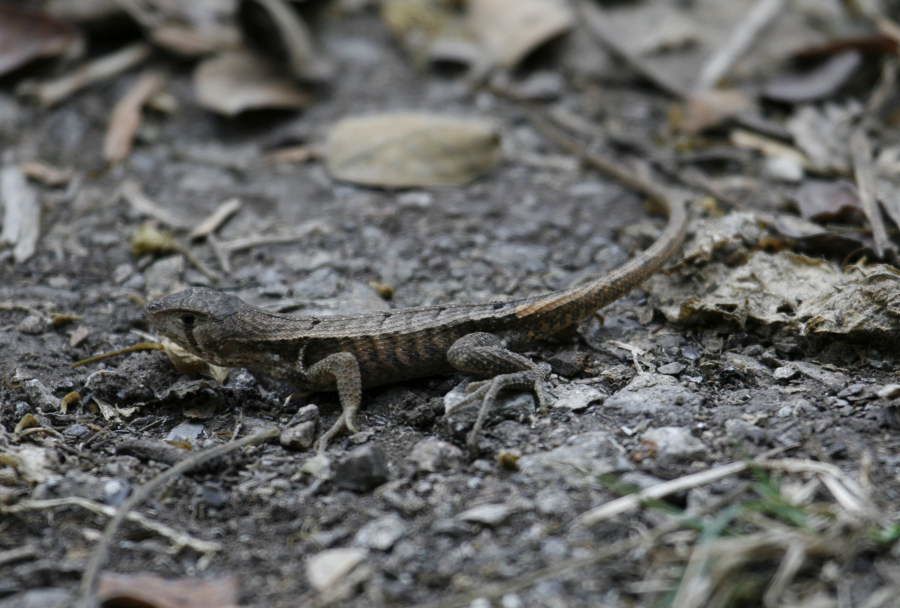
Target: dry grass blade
631	502
866	183
21	213
133	194
134	348
216	219
738	43
92	570
179	539
52	92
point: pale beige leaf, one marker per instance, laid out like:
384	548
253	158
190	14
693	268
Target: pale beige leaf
235	82
511	29
411	149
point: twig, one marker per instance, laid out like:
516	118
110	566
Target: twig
845	491
126	117
867	185
133	194
738	43
98	557
218	217
52	92
21	213
257	240
179	539
134	348
631	502
596	21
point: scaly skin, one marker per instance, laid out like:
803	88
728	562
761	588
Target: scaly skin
347	353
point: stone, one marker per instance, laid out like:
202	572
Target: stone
300	436
362	470
490	514
577	397
328	568
580	461
674	443
381	533
431	455
652	394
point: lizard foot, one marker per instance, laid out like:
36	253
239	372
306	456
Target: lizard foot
343	422
487	390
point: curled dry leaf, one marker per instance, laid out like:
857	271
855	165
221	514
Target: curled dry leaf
411	149
275	29
153	591
186	363
26	35
509	30
21	214
710	108
234	82
822	200
800	294
820	83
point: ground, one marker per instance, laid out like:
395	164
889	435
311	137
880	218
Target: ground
638	399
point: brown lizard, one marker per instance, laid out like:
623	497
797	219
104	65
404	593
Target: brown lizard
347	353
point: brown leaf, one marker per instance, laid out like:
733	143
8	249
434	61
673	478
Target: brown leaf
710	108
27	35
824	201
511	29
151	591
411	149
275	29
126	117
234	82
819	83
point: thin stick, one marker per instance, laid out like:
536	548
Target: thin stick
98	557
866	183
738	43
179	539
218	217
52	92
134	348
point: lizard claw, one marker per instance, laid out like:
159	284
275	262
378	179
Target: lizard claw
534	379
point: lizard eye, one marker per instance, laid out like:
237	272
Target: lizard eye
188	320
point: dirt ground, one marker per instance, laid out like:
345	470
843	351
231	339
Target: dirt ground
656	387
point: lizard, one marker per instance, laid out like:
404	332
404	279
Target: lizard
346	353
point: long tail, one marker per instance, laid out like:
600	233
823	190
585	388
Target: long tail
557	310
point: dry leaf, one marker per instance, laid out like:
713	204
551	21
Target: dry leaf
411	149
234	82
21	215
511	29
26	35
126	117
824	201
151	591
819	83
187	363
148	239
275	29
823	134
710	108
802	294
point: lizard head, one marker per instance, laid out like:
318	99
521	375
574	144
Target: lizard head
195	319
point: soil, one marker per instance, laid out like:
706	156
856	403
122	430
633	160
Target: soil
428	519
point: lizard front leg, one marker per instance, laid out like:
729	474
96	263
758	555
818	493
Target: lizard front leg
340	371
484	354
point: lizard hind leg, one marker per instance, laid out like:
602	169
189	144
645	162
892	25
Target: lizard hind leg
340	370
484	354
